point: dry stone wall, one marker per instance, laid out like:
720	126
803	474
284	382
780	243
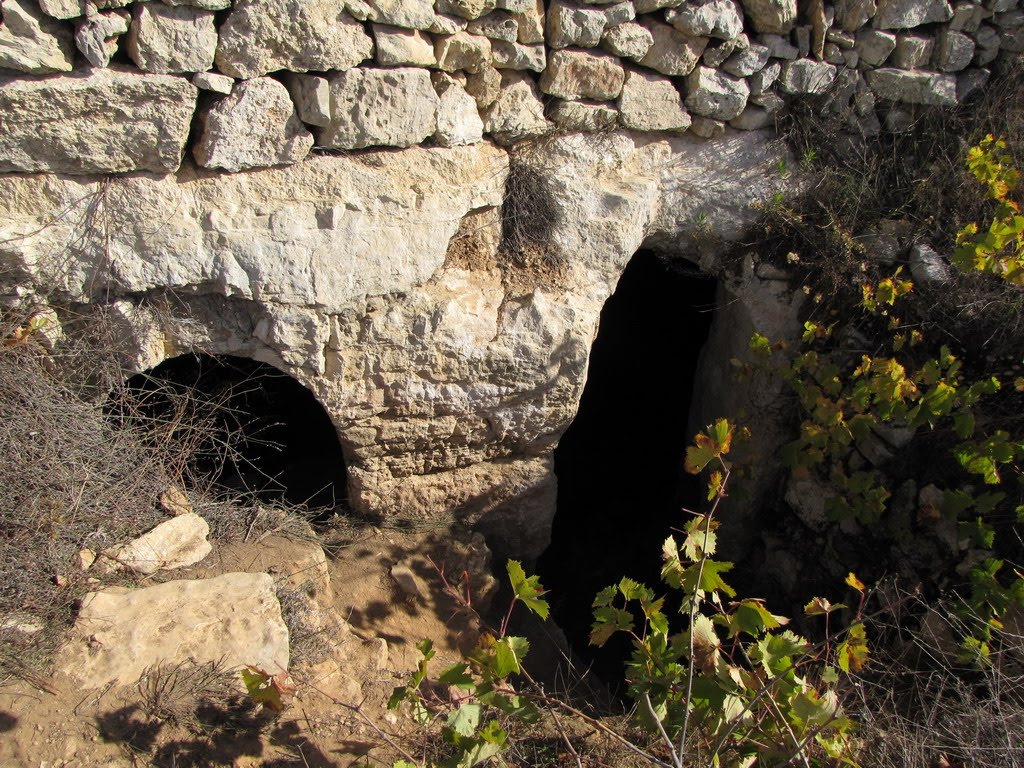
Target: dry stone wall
259	83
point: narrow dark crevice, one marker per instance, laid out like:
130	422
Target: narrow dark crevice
257	429
621	486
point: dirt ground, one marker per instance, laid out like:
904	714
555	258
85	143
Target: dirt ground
352	642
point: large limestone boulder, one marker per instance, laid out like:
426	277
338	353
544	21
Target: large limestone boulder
169	39
256	126
261	36
904	14
100	121
234	620
175	543
31	42
380	107
913	87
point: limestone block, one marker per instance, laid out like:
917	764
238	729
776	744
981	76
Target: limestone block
166	40
714	94
530	21
458	121
411	14
234	619
913	87
717	52
806	76
62	9
904	14
484	86
969	81
649	6
874	46
708	18
650	102
467	9
96	35
380	107
209	81
672	52
462	51
629	40
102	121
261	36
928	267
31	42
497	26
255	127
583	115
746	63
175	543
912	51
517	113
763	80
311	95
397	46
583	75
987	41
953	51
571	25
444	24
779	46
518	56
851	15
967	16
206	5
771	16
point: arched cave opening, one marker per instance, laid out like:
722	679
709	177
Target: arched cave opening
259	431
621	484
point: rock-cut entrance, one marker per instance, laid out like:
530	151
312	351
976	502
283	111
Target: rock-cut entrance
621	485
262	431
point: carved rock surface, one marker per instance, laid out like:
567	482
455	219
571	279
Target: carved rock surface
262	36
101	121
256	126
234	619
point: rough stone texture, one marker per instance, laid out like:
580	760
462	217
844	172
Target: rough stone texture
711	93
208	81
913	87
411	14
912	51
517	112
517	56
630	40
583	75
708	18
530	20
261	36
651	103
31	42
62	9
771	16
928	267
747	62
672	52
175	543
583	116
397	47
463	51
903	14
458	121
380	107
255	127
874	46
497	25
953	51
312	98
165	39
570	25
103	121
234	619
851	15
467	9
806	76
96	36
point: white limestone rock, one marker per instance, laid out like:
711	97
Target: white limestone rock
708	18
851	15
913	51
771	16
714	94
397	47
529	18
467	9
874	46
96	36
650	102
210	81
458	121
411	14
806	76
312	97
234	620
167	40
380	107
255	127
672	52
484	86
518	56
913	87
572	74
102	121
31	42
261	36
928	267
583	115
62	9
748	62
497	25
571	25
953	51
630	40
175	543
462	50
517	112
904	14
206	5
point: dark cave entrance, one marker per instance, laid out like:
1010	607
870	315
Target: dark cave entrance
621	485
261	433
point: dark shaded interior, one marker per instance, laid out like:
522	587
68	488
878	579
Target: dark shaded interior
621	486
262	432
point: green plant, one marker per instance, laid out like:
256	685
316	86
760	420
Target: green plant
733	685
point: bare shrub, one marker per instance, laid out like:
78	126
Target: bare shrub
172	692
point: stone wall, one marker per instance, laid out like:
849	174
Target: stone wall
259	83
331	186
